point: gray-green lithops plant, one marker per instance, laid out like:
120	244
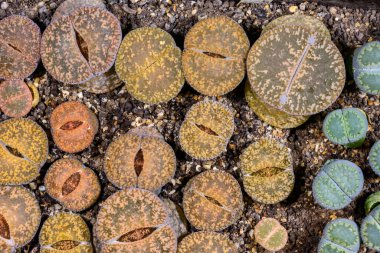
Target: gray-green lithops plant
340	236
270	234
366	67
337	184
177	218
374	158
371	202
370	229
346	127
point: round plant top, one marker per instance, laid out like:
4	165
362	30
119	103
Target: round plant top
270	234
177	218
372	201
214	55
103	83
296	70
374	158
370	230
15	98
149	62
69	6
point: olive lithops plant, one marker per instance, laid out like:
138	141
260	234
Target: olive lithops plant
374	158
370	229
270	234
337	184
371	202
206	242
346	127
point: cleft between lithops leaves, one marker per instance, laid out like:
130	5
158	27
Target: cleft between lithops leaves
83	47
71	125
206	129
213	55
4	228
214	201
268	171
71	183
137	234
14	48
139	162
65	245
14	151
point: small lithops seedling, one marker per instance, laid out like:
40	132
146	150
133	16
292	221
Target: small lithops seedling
19	47
73	126
270	234
141	158
346	127
20	217
370	229
340	236
206	242
69	6
23	150
82	45
212	200
371	202
149	62
337	184
267	169
103	83
206	130
134	221
214	56
177	218
15	98
72	184
374	158
366	67
296	70
65	233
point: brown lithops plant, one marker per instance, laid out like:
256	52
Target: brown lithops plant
134	221
214	55
19	47
82	45
212	200
177	218
15	98
65	233
141	158
149	62
23	150
206	130
69	6
103	83
73	126
72	184
20	217
206	242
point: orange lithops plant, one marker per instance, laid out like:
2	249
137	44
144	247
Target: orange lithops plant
212	241
15	98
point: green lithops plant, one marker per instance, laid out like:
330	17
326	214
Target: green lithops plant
206	130
70	6
371	202
370	229
15	98
206	242
346	127
212	200
267	169
103	83
149	62
374	158
366	67
177	218
270	234
134	221
214	55
340	236
65	233
23	150
337	184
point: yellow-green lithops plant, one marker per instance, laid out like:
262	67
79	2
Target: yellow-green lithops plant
270	234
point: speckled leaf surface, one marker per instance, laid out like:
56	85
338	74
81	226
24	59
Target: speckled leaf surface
374	158
177	218
206	242
370	229
270	234
15	98
70	6
103	83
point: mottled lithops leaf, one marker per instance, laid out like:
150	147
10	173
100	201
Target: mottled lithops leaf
337	184
73	126
267	168
374	158
103	83
340	236
23	150
296	70
20	217
69	6
213	200
65	233
346	127
141	158
80	46
149	62
270	234
134	221
372	201
214	56
15	98
206	130
19	47
177	218
370	229
366	67
206	242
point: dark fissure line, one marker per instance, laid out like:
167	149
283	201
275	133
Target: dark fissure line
214	55
4	228
15	48
71	125
65	245
206	129
14	151
83	47
214	201
137	234
71	184
139	162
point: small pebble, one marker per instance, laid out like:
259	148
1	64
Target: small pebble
293	8
4	5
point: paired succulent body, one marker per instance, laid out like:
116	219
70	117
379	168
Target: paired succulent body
374	158
370	229
270	234
206	242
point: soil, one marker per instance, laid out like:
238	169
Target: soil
118	112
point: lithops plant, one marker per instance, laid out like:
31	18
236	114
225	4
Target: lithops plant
370	229
337	184
20	217
267	169
134	221
23	150
212	200
103	83
15	98
214	55
306	73
70	6
206	242
340	236
65	233
206	130
149	62
141	158
73	126
346	127
82	45
270	234
371	202
177	218
72	184
374	158
366	67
